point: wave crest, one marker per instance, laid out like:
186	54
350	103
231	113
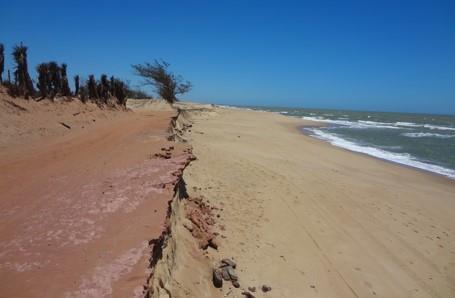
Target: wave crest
426	135
401	158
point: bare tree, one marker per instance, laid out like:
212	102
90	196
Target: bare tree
166	84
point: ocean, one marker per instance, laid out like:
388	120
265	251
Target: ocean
422	141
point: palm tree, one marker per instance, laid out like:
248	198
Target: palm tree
76	85
43	79
91	87
55	80
64	81
104	88
119	90
2	61
24	82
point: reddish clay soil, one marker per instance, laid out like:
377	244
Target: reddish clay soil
78	207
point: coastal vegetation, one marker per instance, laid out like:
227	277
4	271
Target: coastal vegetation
52	82
2	61
23	83
167	84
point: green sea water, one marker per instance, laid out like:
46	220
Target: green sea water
423	141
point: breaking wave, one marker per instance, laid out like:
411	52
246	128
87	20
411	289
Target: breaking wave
375	124
400	158
426	135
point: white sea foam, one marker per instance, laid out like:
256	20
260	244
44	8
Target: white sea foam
438	127
390	147
407	124
401	158
429	126
427	135
376	124
235	108
354	124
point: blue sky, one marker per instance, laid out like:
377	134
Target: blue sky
364	55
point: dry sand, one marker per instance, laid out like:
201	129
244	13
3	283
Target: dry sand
313	220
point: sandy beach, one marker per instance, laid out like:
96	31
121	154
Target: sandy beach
227	149
116	206
309	219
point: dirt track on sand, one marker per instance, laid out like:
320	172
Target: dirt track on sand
77	210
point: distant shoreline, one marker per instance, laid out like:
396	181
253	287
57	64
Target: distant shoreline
302	130
420	133
335	222
269	108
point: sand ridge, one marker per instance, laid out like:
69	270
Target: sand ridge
79	206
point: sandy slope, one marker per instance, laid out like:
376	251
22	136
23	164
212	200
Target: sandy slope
78	206
312	220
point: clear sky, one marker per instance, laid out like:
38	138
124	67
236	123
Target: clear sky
367	55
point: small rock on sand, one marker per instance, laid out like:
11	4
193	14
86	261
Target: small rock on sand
217	279
225	274
266	288
247	294
228	262
232	273
213	243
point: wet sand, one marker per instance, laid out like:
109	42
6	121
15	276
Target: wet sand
313	220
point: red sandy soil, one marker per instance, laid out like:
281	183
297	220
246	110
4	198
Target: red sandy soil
78	206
